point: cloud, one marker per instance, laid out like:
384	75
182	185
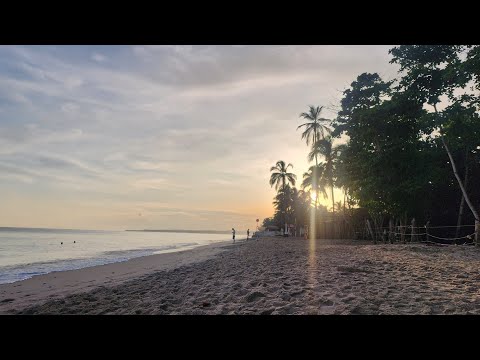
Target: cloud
99	57
194	127
17	177
150	184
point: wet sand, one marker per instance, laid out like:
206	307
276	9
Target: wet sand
55	285
283	276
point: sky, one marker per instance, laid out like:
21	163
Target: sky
160	137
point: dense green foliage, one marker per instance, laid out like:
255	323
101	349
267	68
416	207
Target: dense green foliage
395	162
395	140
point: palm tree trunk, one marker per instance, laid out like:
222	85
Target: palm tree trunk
452	162
284	205
315	178
462	201
333	202
464	192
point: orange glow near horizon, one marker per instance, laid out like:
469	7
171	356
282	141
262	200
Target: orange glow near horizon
146	146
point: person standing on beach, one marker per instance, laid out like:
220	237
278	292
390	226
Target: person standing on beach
248	233
233	235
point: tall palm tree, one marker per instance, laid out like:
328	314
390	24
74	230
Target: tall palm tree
280	177
314	130
325	148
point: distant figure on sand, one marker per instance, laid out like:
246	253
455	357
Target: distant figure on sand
233	234
248	233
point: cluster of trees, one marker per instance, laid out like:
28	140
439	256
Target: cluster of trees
412	143
292	206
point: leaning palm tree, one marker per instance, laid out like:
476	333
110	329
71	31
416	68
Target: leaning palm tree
325	148
314	129
280	177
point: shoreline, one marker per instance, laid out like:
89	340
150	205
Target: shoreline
270	276
56	284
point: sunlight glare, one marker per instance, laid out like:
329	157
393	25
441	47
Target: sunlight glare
313	197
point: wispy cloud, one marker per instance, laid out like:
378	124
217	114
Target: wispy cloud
194	127
99	57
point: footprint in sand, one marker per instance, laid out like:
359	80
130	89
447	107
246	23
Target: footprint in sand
326	302
254	296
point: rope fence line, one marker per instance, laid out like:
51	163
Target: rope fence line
440	244
423	227
388	234
405	234
470	236
446	226
391	233
420	234
451	239
405	226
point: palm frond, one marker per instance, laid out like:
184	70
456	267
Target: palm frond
306	116
291	178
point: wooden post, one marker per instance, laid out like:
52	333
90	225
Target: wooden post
413	237
398	229
402	231
477	233
427	225
371	231
391	235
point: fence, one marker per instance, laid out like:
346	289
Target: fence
439	235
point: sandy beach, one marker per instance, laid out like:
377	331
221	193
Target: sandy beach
265	276
42	288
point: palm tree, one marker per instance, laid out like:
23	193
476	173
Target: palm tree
281	177
313	179
339	204
325	148
283	201
302	206
314	129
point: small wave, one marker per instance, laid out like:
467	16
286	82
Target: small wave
14	273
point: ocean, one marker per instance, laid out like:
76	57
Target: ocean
28	252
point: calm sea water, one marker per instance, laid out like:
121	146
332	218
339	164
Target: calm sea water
26	253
